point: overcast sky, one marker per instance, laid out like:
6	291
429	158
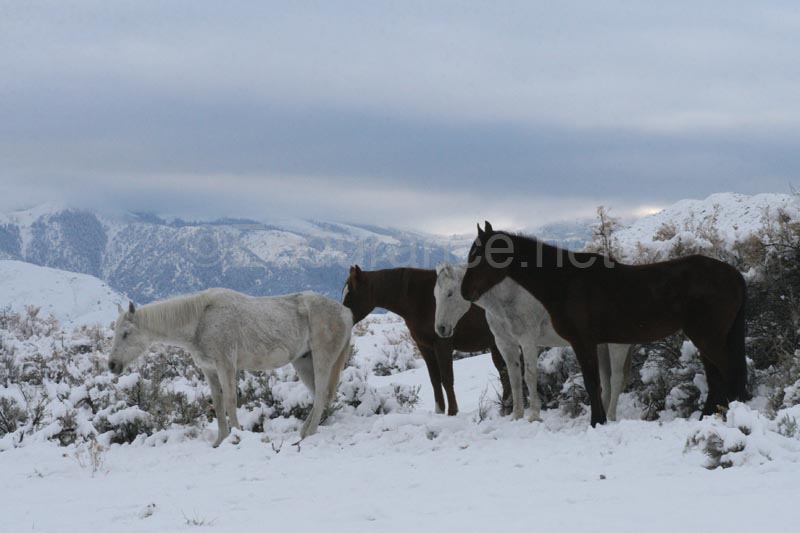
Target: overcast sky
429	115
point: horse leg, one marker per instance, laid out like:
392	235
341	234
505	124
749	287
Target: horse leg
619	356
530	352
586	353
429	356
502	371
323	367
444	357
715	377
604	368
716	386
510	350
219	406
227	377
304	366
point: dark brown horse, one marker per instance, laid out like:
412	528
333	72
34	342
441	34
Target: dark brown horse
408	292
593	299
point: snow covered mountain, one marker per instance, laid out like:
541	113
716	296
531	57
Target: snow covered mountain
148	257
74	299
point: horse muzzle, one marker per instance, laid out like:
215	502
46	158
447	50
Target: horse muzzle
444	332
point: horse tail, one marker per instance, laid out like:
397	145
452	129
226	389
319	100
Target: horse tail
344	355
336	371
735	346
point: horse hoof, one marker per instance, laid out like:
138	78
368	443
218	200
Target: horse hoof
439	410
534	418
516	416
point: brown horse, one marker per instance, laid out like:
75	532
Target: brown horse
408	292
594	299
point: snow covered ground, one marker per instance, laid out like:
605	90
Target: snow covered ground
415	472
402	471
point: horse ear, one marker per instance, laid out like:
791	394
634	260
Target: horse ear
119	308
488	226
358	270
480	231
131	308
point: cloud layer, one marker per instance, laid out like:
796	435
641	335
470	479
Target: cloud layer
416	114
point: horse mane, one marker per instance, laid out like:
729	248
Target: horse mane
533	245
173	313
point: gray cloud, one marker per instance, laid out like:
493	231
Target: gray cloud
417	114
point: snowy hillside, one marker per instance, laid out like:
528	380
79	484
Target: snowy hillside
74	299
728	217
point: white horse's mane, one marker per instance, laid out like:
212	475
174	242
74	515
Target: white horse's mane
172	313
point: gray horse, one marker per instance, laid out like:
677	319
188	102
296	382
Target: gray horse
226	331
519	322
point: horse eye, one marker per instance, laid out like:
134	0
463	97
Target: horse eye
450	294
125	335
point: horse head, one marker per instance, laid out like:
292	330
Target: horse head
487	263
356	293
450	306
130	341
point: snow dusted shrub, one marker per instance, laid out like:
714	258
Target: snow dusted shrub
399	354
573	398
774	311
275	394
122	424
164	389
12	415
29	324
406	397
356	393
9	369
671	377
719	448
787	425
561	382
364	328
353	386
742	436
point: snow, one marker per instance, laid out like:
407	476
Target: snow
414	471
74	299
25	219
733	217
405	470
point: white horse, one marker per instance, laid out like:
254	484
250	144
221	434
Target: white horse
520	322
226	331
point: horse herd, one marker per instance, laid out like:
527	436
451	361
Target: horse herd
514	295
